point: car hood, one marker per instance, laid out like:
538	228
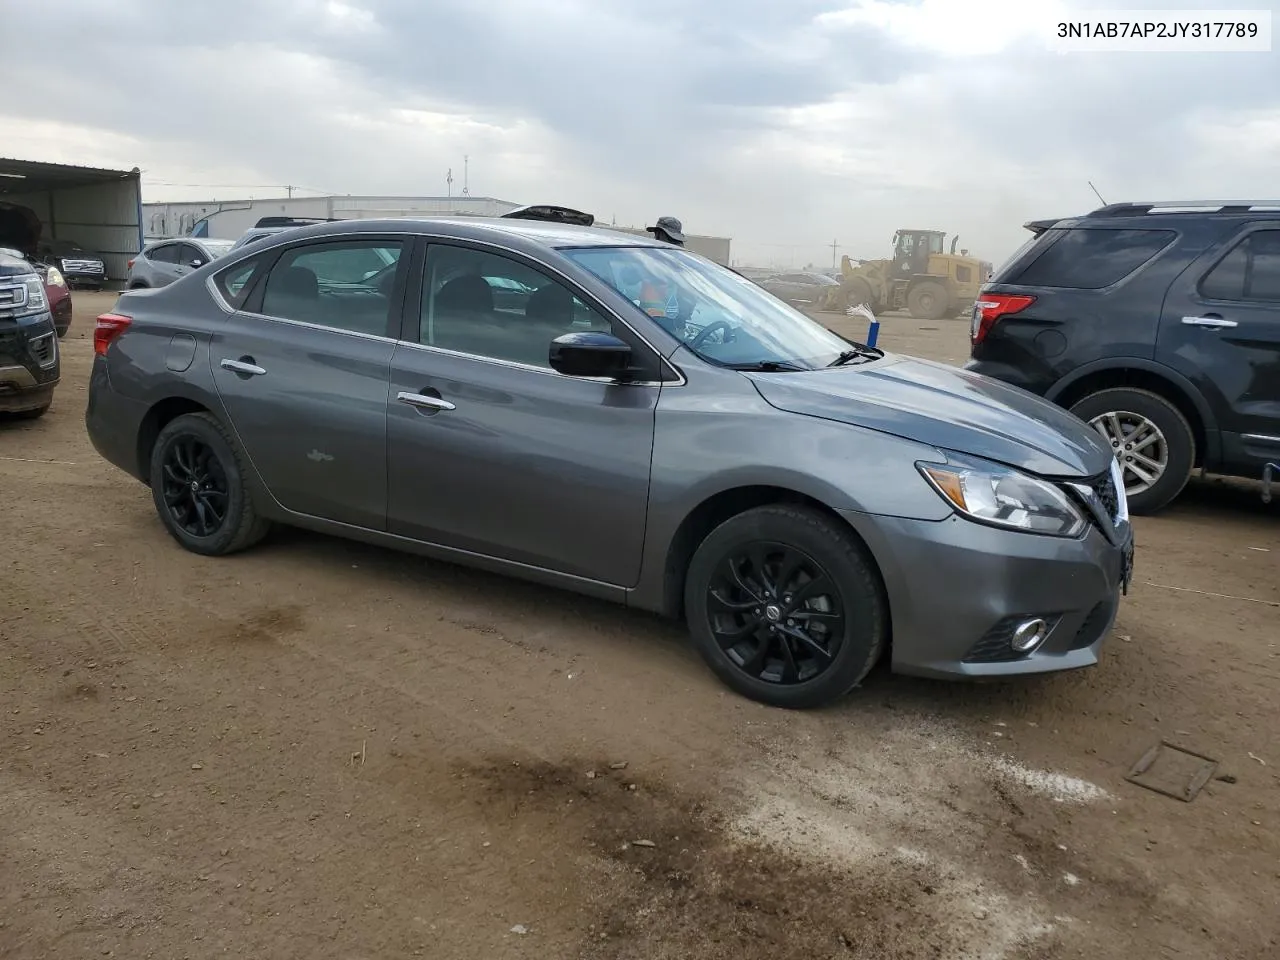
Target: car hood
944	407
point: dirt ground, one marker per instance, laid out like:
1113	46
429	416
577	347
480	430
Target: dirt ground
323	750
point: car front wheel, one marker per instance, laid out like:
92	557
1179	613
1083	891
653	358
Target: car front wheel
786	606
1149	436
197	484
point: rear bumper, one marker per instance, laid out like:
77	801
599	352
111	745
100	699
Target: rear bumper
957	589
114	422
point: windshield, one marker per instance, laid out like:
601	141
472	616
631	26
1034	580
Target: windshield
722	316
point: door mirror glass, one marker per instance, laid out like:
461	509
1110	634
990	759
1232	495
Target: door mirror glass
589	353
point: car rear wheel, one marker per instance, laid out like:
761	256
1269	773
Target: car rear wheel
197	484
786	606
1149	436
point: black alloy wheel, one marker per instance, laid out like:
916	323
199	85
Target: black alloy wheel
195	486
775	613
786	605
199	490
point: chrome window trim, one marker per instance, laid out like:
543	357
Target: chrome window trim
532	368
227	308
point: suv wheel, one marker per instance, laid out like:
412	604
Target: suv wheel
197	484
785	606
1149	436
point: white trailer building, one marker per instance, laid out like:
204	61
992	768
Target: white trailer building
228	219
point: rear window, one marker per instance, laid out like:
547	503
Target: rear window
1089	259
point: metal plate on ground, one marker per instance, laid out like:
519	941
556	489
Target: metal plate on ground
1173	771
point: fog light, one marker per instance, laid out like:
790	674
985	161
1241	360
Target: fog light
1028	635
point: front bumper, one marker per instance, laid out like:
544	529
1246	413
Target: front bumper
30	365
956	590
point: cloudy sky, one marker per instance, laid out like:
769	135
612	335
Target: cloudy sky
785	124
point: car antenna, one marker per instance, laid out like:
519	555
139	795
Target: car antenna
1095	192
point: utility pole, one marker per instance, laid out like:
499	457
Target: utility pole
289	190
466	170
835	246
448	179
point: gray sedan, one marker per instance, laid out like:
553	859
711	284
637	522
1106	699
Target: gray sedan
611	415
161	263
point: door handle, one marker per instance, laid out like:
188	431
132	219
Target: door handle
244	367
1208	322
421	401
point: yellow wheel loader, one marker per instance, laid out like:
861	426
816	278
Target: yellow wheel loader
921	278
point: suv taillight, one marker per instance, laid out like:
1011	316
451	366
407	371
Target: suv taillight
990	307
108	327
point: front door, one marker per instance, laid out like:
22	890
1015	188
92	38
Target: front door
302	372
492	451
1220	328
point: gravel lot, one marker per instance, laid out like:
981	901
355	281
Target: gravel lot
319	749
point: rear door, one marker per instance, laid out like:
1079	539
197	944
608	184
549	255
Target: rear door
164	264
493	452
1221	329
302	373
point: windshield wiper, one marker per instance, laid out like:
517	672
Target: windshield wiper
860	351
767	366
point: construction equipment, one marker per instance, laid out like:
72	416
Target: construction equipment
921	278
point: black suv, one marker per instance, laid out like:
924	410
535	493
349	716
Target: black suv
1159	324
28	341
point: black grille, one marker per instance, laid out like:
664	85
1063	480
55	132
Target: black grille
42	349
1105	487
994	646
1094	625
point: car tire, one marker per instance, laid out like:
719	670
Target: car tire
849	618
137	285
1142	409
195	449
928	300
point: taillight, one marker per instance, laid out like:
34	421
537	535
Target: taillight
108	327
990	307
129	264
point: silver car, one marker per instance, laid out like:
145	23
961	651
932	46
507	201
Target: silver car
623	418
161	263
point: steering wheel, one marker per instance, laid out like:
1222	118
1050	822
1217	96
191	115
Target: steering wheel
709	329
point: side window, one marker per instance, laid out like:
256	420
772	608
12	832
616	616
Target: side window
168	253
1090	259
187	253
492	306
1251	271
234	280
344	284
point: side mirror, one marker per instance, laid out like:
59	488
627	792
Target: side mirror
589	354
197	263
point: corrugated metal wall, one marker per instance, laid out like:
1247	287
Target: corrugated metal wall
101	217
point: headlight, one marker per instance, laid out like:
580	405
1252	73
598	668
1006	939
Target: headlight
54	278
35	294
1004	497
